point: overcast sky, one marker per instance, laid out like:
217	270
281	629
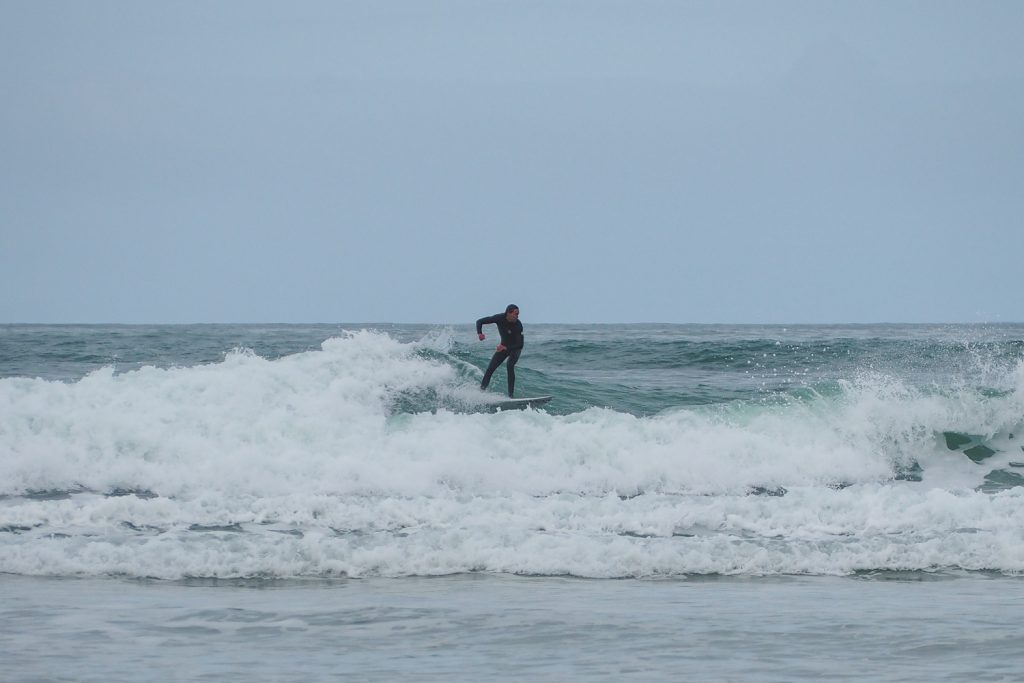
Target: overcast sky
417	161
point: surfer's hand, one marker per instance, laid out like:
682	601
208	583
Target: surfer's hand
501	347
482	336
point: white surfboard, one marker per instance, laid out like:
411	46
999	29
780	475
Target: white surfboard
521	403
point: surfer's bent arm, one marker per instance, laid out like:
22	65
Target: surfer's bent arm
511	330
487	320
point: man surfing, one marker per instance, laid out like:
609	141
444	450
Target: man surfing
511	331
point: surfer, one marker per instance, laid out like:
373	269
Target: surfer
511	331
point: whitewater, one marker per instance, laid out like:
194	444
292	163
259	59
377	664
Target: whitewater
254	487
373	456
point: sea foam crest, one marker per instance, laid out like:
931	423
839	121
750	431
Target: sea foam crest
189	428
325	421
301	466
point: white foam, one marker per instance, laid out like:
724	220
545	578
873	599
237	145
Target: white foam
298	467
816	531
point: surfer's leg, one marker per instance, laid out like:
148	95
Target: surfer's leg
495	362
513	358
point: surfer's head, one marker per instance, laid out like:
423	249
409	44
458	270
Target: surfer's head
512	312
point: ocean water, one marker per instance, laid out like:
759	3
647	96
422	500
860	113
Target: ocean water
241	502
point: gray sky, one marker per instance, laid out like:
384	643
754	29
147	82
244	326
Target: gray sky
591	161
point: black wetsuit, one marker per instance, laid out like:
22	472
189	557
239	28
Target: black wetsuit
512	339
